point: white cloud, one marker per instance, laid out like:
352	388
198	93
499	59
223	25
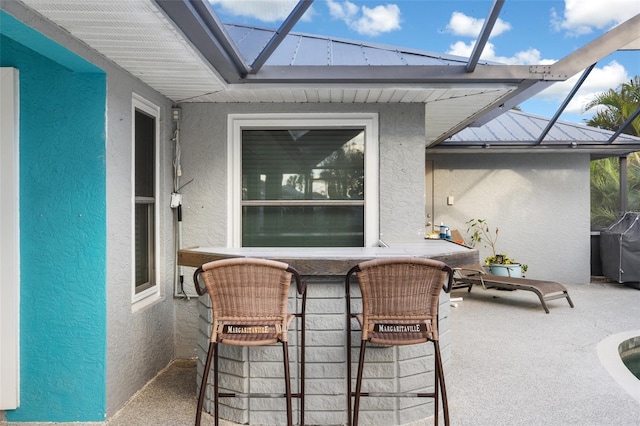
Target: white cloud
525	57
583	17
467	26
346	11
262	10
600	80
365	20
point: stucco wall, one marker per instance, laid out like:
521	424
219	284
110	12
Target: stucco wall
62	238
204	151
139	343
539	202
204	142
89	180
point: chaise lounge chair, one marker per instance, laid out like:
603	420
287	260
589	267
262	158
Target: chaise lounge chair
468	276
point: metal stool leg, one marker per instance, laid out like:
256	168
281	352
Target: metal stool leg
302	372
216	392
436	385
443	388
287	384
203	385
356	405
349	407
349	388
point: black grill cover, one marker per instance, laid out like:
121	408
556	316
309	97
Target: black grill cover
620	249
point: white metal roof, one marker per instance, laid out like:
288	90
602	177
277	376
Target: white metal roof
298	49
517	130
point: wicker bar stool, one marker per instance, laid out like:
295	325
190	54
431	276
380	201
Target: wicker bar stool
249	308
400	298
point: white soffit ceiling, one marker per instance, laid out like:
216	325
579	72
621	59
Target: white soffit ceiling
138	37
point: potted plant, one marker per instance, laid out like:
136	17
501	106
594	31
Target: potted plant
498	263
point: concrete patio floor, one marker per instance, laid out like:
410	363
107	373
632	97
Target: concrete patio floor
512	364
515	365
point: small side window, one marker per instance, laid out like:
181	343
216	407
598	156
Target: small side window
145	141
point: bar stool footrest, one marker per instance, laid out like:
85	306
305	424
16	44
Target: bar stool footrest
257	395
397	395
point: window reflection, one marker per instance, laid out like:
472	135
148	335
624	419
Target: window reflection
303	187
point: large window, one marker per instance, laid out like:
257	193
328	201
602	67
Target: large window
145	136
304	181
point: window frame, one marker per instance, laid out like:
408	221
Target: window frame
236	123
152	291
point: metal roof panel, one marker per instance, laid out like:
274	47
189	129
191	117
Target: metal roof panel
375	56
309	51
302	49
521	127
249	41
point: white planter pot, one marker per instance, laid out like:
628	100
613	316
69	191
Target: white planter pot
512	270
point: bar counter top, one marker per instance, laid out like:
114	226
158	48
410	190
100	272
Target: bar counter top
334	260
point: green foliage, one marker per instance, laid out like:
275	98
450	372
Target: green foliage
605	189
616	107
605	192
480	233
343	173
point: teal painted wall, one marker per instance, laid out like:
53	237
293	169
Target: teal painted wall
63	229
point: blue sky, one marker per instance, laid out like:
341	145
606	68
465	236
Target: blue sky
527	32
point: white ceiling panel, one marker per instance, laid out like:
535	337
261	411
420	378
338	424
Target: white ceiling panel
139	38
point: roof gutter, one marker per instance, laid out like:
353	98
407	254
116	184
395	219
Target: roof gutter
594	150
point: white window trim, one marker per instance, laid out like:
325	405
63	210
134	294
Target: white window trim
152	294
9	239
237	122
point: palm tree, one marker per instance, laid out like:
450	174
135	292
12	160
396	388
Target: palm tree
634	181
616	107
605	185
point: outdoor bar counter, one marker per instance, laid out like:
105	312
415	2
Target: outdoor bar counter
404	368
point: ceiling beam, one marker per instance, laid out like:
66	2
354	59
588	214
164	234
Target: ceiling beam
566	101
617	38
205	34
620	37
513	99
634	45
280	34
398	74
484	35
210	19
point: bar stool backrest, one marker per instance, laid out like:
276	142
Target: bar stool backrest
401	291
247	294
400	301
249	301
